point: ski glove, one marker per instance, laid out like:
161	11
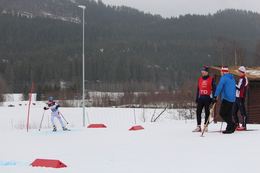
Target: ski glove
214	100
45	108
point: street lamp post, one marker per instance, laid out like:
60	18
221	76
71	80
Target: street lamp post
83	63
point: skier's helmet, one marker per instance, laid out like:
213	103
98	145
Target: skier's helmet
50	99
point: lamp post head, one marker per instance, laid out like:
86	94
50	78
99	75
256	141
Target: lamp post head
82	6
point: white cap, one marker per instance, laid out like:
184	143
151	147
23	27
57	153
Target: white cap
242	69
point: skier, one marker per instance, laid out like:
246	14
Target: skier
227	89
205	91
241	89
53	106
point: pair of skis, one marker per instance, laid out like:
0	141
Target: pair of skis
208	122
40	127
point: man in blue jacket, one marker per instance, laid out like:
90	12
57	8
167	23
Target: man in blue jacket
227	89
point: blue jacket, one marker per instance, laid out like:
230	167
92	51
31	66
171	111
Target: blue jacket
227	88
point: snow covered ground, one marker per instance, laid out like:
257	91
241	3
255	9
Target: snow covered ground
167	146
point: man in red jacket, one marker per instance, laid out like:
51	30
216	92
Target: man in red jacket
205	91
241	89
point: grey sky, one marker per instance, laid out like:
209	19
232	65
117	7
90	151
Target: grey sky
168	8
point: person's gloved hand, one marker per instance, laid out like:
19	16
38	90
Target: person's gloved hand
45	108
214	100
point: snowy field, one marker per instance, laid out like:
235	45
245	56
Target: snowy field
166	146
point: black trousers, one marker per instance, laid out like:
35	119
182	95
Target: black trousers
239	105
203	103
226	111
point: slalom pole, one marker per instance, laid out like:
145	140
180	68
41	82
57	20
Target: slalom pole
63	117
41	120
153	114
88	117
29	107
207	123
134	116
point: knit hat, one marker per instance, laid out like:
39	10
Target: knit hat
242	69
205	68
224	70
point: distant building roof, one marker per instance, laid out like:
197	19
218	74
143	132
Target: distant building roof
253	73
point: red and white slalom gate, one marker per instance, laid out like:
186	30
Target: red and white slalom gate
136	127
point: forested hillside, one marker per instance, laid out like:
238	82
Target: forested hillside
125	48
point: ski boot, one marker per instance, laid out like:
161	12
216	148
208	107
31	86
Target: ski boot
237	126
198	129
65	129
230	129
54	129
241	128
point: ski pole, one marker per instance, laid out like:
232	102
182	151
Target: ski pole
41	120
63	118
207	123
160	114
221	127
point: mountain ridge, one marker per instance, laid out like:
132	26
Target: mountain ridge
124	46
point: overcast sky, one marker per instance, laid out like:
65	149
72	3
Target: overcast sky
168	8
